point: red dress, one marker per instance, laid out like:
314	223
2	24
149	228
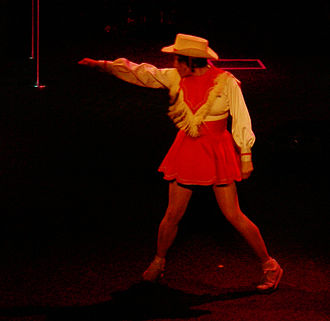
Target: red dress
209	159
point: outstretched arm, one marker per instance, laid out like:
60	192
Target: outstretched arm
145	75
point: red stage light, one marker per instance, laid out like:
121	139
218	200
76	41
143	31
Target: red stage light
37	84
242	64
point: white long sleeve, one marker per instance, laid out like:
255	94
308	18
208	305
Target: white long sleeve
145	75
241	121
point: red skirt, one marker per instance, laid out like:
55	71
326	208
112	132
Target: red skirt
210	159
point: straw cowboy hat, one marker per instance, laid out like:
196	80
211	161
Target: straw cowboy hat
191	46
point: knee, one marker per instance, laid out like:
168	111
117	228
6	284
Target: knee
236	218
173	215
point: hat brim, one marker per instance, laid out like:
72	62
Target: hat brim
191	52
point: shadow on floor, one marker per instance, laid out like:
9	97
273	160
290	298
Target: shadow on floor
143	301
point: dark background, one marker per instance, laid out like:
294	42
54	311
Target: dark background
279	27
81	197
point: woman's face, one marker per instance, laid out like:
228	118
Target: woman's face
181	67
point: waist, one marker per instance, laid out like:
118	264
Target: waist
216	117
213	127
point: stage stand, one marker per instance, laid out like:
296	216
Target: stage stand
36	20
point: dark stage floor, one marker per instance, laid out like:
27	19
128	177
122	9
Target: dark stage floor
81	198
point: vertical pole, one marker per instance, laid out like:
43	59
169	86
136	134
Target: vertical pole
37	85
32	33
38	38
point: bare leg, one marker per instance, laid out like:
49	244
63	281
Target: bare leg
228	202
178	201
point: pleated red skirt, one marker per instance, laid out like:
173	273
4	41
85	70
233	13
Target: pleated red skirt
210	159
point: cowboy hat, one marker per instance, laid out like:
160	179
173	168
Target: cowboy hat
191	46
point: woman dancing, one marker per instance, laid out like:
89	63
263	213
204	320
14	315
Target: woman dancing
204	152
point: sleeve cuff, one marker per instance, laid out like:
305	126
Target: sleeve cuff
246	157
104	65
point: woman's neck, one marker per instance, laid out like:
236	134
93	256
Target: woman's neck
200	71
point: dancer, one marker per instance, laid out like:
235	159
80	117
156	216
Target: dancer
204	152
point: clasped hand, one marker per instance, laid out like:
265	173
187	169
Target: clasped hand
246	169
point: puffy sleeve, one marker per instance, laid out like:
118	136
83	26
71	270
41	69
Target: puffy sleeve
241	121
145	75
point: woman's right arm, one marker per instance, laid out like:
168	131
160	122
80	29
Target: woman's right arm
145	75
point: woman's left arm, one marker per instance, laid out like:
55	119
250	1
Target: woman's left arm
241	126
145	75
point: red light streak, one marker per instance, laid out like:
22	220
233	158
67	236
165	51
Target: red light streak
258	61
32	32
37	85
